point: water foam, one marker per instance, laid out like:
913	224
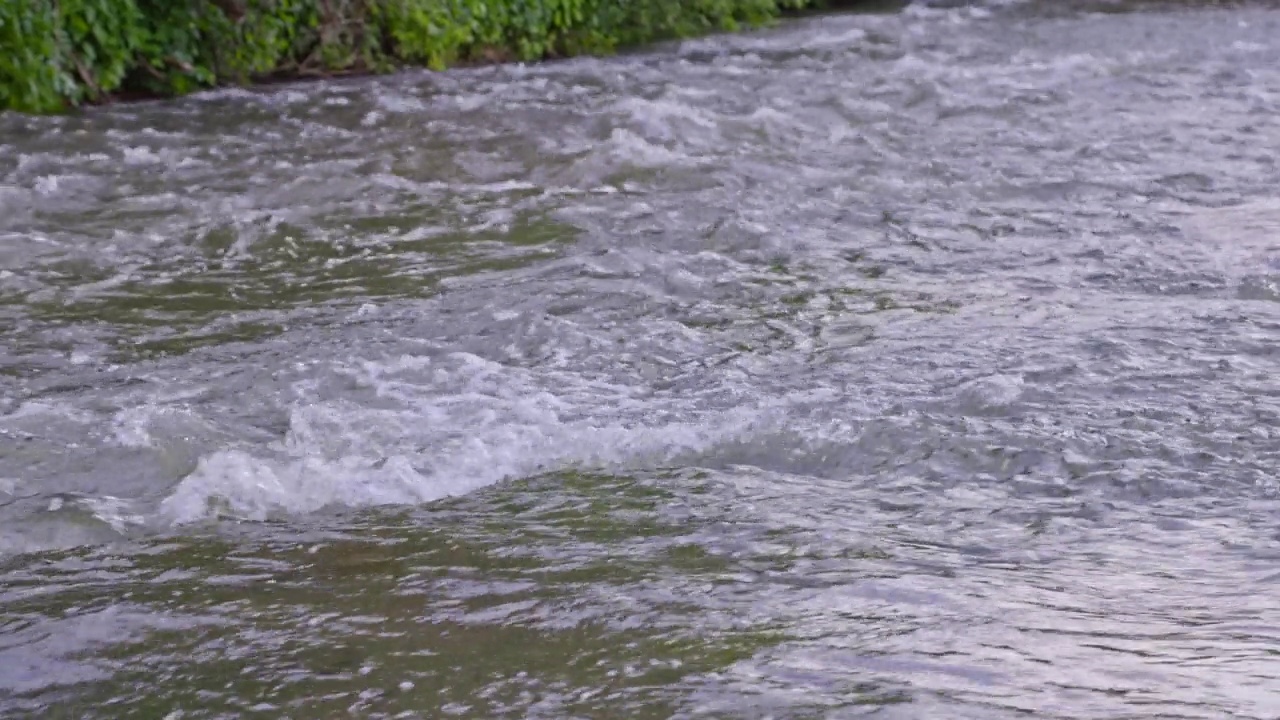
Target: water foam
431	430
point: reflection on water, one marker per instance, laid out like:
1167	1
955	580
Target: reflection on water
906	365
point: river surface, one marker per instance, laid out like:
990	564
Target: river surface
922	364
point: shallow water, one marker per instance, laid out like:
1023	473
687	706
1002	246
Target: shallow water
906	365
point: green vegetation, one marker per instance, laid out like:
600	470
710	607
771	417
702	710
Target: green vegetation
56	54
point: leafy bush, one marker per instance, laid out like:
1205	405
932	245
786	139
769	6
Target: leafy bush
29	78
56	54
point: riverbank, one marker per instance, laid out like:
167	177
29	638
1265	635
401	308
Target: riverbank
56	56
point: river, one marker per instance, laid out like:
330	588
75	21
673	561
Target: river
913	364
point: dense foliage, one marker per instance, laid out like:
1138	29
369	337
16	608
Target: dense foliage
60	53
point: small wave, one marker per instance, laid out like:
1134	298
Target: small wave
430	430
255	486
625	151
1241	242
34	522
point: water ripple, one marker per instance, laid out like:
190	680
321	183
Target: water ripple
911	364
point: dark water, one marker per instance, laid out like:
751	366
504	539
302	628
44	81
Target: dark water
911	365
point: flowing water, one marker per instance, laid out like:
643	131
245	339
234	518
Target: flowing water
919	364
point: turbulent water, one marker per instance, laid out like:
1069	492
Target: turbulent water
909	365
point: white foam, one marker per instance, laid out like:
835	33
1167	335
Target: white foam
992	393
298	477
630	148
141	155
397	103
442	428
47	184
625	150
666	120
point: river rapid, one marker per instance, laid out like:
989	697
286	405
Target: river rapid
916	364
